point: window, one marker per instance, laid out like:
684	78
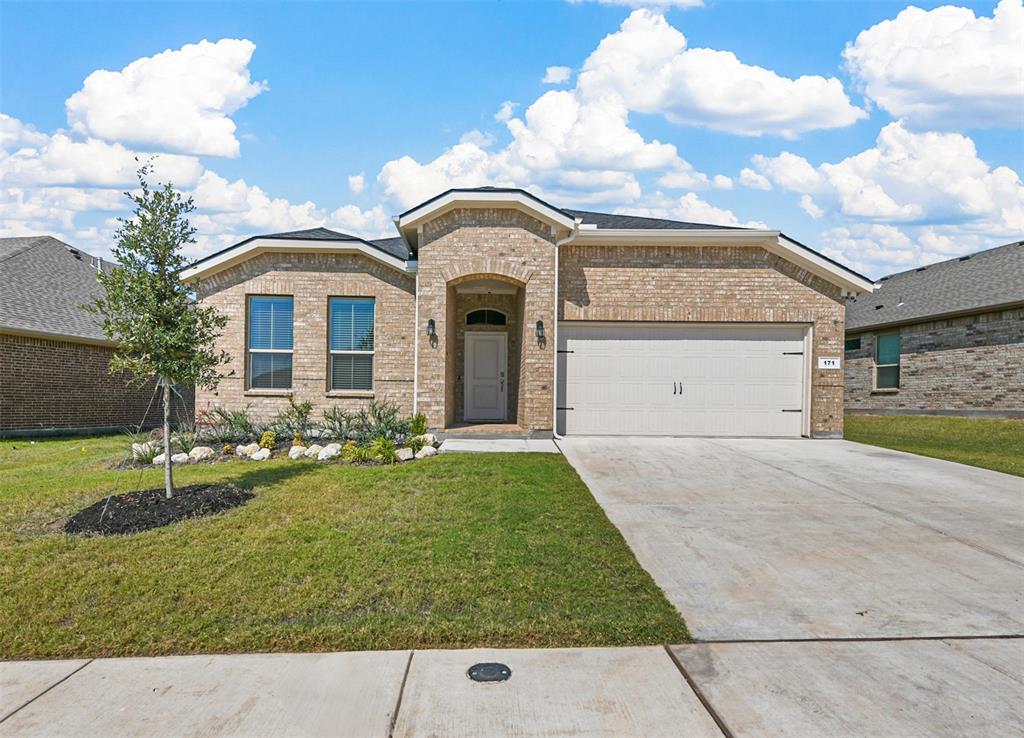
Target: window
350	342
887	361
270	342
485	317
852	344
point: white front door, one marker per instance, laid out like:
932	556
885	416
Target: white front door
485	386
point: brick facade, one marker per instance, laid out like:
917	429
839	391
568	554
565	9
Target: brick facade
462	245
58	385
312	278
710	284
485	243
966	364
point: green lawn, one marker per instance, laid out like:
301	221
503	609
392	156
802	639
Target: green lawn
453	551
992	444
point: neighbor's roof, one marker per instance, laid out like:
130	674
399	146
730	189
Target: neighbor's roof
45	283
972	283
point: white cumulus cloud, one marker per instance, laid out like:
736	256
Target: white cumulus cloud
556	75
690	208
945	68
178	100
753	180
357	182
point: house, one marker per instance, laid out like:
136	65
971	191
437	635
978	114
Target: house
493	306
942	339
53	353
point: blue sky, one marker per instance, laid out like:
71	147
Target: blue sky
883	135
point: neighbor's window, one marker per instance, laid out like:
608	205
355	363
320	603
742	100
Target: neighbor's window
350	341
887	361
852	344
270	342
486	317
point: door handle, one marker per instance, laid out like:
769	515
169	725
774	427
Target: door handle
673	388
501	387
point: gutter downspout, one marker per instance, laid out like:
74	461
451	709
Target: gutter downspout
416	346
554	364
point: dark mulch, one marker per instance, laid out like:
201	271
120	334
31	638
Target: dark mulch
147	509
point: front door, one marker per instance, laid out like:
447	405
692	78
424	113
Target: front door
485	375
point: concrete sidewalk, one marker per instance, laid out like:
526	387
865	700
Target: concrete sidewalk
745	689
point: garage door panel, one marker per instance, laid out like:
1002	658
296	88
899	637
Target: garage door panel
681	379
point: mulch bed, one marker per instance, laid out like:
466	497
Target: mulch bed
135	512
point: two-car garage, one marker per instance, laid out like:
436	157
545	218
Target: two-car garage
682	379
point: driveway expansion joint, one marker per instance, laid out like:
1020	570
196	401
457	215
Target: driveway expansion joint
719	721
57	683
401	691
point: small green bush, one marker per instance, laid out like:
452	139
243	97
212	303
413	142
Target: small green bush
362	455
416	443
384	449
338	423
230	425
228	449
348	451
418	425
268	439
185	438
295	420
142	447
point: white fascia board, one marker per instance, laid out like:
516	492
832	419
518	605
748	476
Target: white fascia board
773	241
482	199
818	264
234	256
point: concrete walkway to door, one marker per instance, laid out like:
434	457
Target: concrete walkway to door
833	588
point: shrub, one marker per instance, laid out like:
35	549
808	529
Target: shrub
418	425
362	455
230	425
337	423
380	420
294	420
384	449
348	451
228	449
416	443
268	439
185	438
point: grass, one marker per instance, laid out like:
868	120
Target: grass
992	444
453	551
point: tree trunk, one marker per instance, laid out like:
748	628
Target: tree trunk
168	476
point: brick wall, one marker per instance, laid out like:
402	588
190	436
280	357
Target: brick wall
63	385
494	243
311	278
969	363
710	284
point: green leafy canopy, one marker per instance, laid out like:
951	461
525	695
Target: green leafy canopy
159	327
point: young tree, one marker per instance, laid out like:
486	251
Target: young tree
160	330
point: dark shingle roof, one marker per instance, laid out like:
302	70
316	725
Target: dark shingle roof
391	246
611	220
394	246
312	234
45	283
967	284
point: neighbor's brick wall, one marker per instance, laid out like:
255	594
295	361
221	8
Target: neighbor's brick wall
53	385
710	284
311	279
500	243
973	362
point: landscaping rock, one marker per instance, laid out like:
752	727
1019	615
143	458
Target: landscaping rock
180	458
262	455
330	451
248	450
200	453
159	459
313	450
425	452
405	454
296	452
142	449
429	439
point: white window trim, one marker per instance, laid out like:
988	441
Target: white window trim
343	352
877	366
250	351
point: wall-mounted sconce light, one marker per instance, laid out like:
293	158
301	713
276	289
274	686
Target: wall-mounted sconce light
540	329
431	332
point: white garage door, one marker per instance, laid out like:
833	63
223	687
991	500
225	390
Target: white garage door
681	379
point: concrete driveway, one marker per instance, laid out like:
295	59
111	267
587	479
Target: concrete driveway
784	539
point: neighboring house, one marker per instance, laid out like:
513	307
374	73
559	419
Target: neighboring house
944	339
493	306
53	354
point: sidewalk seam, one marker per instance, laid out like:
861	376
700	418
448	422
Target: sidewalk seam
700	695
857	639
60	681
401	691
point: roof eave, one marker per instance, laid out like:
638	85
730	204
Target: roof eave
259	245
936	316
